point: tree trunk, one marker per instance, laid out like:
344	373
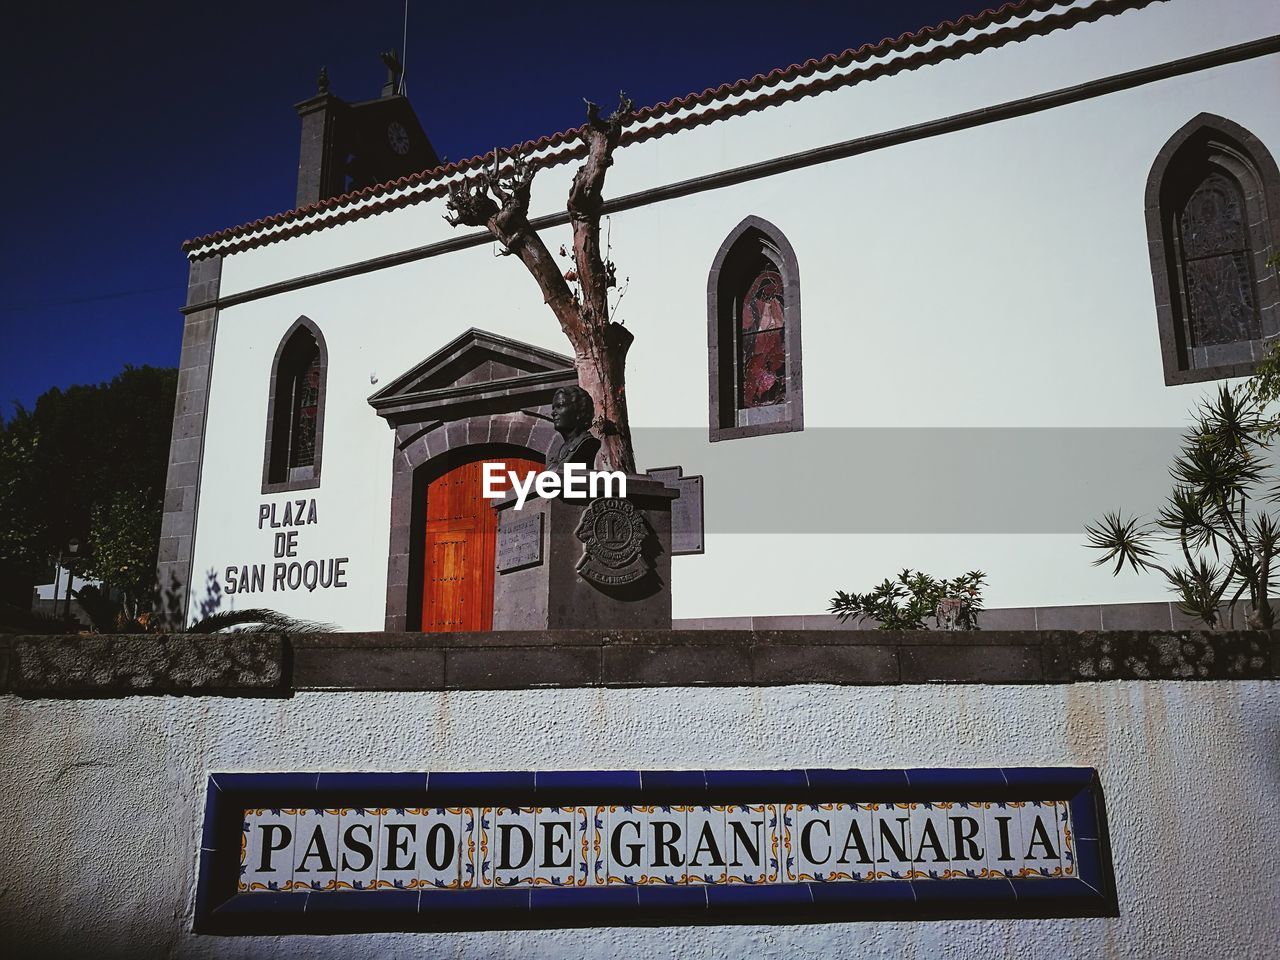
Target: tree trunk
601	365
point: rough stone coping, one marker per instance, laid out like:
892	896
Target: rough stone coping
114	665
278	665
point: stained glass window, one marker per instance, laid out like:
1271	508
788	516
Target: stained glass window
306	400
297	400
1216	264
762	351
756	385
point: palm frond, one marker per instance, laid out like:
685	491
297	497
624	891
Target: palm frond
1124	541
257	620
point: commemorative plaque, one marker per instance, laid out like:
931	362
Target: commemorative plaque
687	525
519	541
613	533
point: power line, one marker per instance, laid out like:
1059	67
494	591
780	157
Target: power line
12	307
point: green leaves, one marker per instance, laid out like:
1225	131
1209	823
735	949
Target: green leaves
125	532
23	532
905	603
89	463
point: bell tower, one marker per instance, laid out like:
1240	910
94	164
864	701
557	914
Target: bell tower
348	146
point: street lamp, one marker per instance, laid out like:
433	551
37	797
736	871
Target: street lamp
73	549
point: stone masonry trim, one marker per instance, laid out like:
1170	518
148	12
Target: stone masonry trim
270	665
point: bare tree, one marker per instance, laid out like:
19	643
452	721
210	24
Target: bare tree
498	199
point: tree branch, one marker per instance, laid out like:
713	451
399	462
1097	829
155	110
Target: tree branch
586	199
472	203
498	199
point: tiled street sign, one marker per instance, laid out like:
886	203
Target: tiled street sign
333	851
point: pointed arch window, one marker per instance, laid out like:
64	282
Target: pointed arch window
295	410
1213	199
753	294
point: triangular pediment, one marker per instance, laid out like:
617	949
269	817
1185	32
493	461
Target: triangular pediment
476	366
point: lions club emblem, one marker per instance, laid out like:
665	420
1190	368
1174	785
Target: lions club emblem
612	532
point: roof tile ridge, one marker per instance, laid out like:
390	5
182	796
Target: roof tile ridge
863	52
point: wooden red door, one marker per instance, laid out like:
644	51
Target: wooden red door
460	546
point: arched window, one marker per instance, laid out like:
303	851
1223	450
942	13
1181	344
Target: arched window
753	313
295	411
1213	199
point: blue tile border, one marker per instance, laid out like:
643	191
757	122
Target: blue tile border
685	783
870	785
488	788
371	782
579	782
584	898
220	910
766	784
875	895
955	782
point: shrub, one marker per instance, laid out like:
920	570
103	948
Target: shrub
905	603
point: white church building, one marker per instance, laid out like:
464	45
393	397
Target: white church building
933	303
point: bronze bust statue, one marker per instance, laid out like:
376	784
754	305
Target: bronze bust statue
572	411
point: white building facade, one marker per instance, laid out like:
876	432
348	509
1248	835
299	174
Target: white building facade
992	325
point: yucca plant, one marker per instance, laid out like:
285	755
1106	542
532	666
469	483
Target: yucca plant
1212	519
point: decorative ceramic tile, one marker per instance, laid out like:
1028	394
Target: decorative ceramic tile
555	849
266	849
1067	835
1042	845
1004	838
443	845
484	834
513	847
315	850
857	849
592	840
788	843
931	840
469	846
704	845
892	845
775	843
811	824
400	833
358	848
748	841
969	839
624	843
665	845
833	841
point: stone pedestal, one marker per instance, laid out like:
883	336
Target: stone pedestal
557	572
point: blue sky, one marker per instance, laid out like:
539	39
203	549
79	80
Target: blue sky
132	127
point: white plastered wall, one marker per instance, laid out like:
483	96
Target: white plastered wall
996	277
104	803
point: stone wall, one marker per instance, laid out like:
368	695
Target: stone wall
105	787
280	665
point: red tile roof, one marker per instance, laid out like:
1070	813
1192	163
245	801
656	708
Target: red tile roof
304	219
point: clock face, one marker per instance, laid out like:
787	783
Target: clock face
398	137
